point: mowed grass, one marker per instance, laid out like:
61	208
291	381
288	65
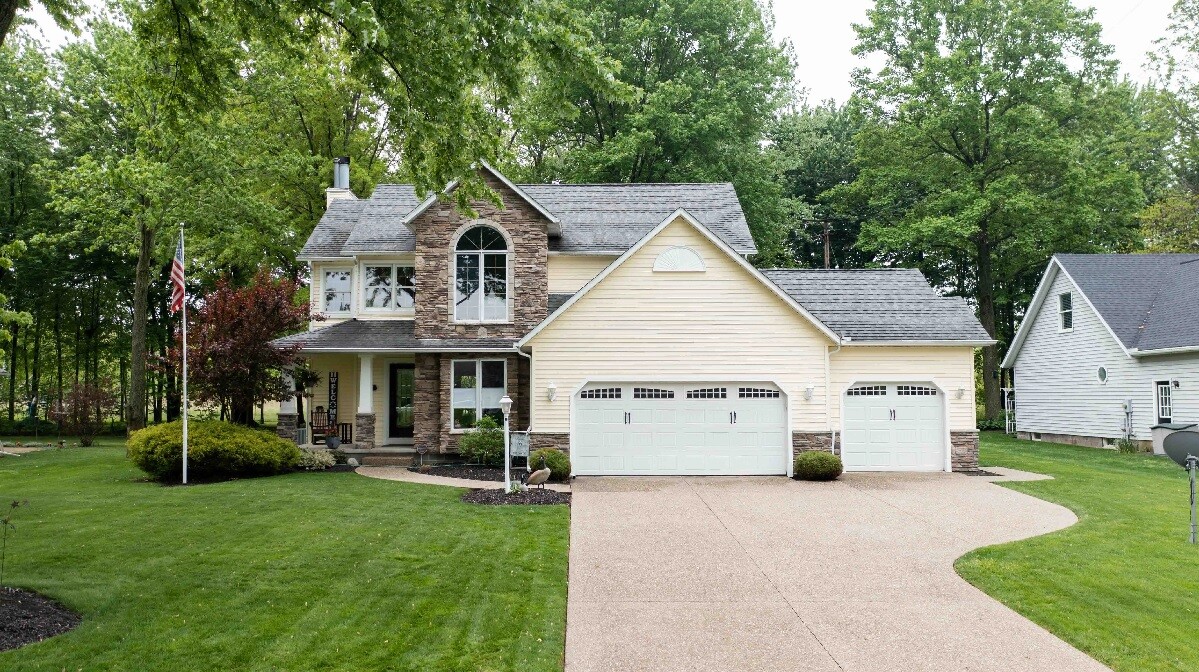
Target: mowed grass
1123	583
328	571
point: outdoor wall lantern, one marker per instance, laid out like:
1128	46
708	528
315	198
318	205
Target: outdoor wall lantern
961	392
809	391
551	391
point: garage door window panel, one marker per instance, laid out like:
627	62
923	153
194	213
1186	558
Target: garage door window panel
652	393
708	393
478	386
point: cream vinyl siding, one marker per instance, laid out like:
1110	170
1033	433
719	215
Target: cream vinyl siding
951	367
346	367
1057	387
568	273
640	325
316	295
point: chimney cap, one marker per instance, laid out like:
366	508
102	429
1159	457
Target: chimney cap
342	159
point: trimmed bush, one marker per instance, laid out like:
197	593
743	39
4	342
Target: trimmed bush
556	460
817	465
484	444
316	459
216	451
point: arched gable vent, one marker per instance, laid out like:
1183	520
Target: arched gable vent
679	260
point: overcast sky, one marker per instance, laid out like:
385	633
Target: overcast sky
822	34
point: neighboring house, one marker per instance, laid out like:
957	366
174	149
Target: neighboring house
1109	346
629	329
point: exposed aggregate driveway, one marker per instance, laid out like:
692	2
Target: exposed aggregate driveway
772	574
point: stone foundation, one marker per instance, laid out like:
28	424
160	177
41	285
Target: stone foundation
537	441
964	450
805	441
364	430
286	427
1077	440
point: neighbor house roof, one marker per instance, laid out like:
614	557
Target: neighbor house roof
384	336
592	218
1148	302
881	305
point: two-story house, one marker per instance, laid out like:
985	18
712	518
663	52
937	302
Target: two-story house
630	330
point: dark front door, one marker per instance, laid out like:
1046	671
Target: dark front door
399	402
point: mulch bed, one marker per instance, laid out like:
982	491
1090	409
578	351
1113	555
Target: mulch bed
472	472
495	496
27	617
976	472
341	467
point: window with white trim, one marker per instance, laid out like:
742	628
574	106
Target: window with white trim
757	393
1065	311
481	276
867	391
1101	374
478	385
336	289
915	391
1165	406
389	287
652	393
708	393
601	393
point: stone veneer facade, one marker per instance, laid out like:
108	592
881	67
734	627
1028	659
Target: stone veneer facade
364	430
805	441
437	230
539	440
432	397
287	425
964	450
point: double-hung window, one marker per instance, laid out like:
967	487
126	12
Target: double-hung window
336	287
478	386
481	276
1065	311
389	287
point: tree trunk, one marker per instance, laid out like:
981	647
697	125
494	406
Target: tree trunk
58	357
12	373
136	408
36	378
8	12
986	315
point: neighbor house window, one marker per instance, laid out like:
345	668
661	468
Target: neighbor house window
478	387
481	276
1101	374
391	287
1165	410
1065	311
336	285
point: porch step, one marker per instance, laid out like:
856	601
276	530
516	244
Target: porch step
386	459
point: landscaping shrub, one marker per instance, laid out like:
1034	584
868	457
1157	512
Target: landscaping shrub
216	451
316	459
817	465
556	460
484	444
1127	446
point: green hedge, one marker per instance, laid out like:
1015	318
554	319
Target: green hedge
215	451
817	465
556	460
484	444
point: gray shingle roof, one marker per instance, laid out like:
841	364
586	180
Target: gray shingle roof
332	231
880	304
612	217
384	335
593	217
1150	301
378	227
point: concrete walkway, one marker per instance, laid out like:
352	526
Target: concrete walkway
402	474
772	574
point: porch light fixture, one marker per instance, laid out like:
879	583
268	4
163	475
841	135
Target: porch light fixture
809	391
551	391
506	405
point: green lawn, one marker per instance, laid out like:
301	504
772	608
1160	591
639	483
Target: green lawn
1123	583
330	571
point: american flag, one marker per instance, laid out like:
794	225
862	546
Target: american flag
178	290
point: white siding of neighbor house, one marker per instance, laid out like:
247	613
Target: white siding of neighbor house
1057	387
950	367
569	272
637	324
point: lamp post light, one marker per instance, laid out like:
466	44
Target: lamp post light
506	407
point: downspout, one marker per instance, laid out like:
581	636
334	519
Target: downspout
828	397
529	357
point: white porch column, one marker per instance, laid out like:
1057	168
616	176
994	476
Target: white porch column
288	405
366	386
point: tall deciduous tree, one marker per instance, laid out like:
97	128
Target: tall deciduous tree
230	356
698	82
1000	137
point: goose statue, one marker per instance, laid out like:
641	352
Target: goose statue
540	476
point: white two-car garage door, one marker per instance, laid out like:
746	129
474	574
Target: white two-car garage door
672	429
893	427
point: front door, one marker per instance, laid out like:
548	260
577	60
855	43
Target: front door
399	401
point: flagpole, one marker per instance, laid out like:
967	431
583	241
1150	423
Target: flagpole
184	370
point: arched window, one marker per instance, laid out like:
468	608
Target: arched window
481	276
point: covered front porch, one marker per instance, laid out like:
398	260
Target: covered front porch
381	392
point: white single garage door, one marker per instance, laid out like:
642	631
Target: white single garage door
672	429
893	427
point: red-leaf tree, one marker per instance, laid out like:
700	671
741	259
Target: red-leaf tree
231	361
84	408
